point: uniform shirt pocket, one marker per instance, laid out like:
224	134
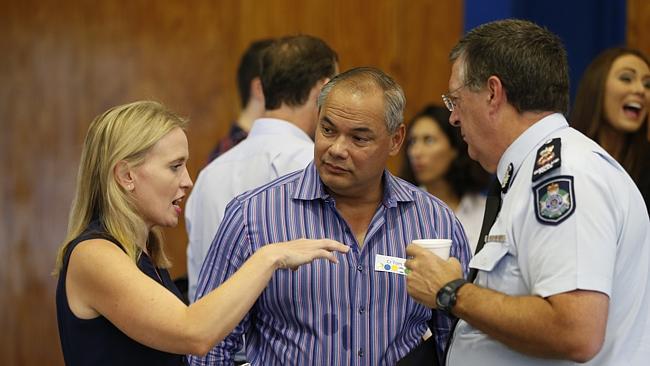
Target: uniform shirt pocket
489	256
498	268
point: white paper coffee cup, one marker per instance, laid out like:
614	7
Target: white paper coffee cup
439	247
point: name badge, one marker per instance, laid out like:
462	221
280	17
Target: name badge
501	238
385	263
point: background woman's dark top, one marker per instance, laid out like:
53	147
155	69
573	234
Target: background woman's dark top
97	341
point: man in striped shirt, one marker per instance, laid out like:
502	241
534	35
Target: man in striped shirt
350	313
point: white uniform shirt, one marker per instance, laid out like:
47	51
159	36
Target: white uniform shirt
273	148
603	245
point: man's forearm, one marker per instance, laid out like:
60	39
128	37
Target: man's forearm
566	326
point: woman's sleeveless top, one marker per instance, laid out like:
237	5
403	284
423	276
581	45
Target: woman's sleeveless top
97	341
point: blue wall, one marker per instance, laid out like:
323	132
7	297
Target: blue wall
586	26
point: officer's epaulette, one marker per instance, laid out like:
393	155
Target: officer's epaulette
548	158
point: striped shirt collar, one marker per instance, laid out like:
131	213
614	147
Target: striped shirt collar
311	187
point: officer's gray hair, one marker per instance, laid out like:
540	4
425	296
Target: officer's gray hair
359	77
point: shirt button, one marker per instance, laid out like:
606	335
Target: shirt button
362	309
360	353
360	268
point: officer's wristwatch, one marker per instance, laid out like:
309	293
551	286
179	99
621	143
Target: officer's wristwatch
446	296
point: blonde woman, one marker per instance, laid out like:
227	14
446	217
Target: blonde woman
116	303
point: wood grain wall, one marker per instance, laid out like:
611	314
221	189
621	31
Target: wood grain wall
638	25
63	62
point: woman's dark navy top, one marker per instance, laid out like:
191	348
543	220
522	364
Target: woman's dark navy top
97	341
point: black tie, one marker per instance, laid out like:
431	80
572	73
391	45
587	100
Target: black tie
492	207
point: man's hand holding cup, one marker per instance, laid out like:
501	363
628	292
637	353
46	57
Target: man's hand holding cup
429	268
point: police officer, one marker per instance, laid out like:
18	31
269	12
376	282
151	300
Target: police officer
563	275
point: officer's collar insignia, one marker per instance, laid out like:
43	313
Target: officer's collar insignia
554	199
548	158
507	178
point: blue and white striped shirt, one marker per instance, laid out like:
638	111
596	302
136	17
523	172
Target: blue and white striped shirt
325	313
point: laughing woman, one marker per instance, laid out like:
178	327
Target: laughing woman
116	303
611	107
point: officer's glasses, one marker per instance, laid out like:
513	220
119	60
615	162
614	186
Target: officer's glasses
450	100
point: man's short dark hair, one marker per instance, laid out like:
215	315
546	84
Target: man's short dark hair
529	60
250	66
291	67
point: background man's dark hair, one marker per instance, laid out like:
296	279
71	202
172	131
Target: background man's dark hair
529	60
250	66
291	66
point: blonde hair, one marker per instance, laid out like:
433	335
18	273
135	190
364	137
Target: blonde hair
123	133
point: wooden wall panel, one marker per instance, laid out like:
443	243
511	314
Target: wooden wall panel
638	24
66	61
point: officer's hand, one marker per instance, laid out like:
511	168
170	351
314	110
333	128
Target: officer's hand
428	273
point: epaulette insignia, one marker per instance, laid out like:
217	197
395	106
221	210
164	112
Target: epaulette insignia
507	178
548	158
555	199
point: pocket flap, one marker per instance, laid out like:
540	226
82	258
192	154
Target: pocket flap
489	256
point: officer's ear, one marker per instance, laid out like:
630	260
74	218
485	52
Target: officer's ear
496	93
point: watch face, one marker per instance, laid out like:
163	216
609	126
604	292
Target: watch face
446	297
443	299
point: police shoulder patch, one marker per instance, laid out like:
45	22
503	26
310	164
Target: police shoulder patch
549	157
555	199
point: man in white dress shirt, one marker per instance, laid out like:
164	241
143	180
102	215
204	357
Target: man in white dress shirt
294	69
563	276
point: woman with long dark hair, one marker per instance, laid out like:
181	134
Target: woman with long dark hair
611	107
437	161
